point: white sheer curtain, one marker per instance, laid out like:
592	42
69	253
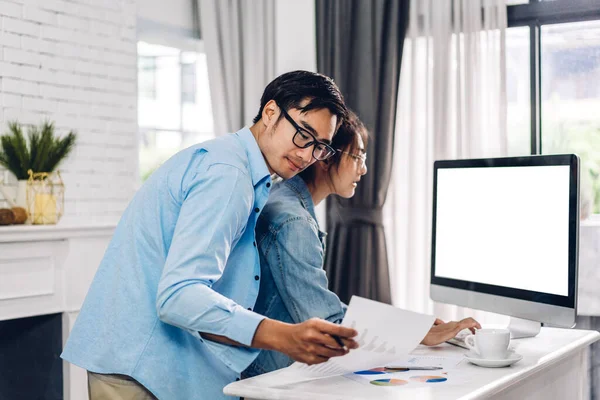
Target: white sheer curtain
452	104
239	39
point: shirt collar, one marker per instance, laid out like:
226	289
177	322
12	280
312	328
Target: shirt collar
258	165
299	187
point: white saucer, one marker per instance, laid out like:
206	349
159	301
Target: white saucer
486	362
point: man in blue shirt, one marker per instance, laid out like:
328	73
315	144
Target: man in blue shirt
294	286
169	313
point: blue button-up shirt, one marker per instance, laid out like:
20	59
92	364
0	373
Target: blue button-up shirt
182	260
293	285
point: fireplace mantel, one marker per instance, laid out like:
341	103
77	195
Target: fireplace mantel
46	270
33	233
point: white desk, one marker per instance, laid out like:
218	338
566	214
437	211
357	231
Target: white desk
554	366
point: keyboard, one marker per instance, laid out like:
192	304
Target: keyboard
459	339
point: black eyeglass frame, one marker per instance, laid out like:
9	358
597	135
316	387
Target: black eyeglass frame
314	142
358	157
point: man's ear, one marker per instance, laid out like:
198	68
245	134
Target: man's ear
270	112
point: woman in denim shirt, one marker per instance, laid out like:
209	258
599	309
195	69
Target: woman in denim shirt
292	247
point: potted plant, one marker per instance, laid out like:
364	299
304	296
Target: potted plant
42	152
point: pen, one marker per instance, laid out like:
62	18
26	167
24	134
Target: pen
339	341
394	367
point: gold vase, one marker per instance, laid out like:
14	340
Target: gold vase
45	197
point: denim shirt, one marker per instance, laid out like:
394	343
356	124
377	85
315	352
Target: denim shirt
294	285
182	260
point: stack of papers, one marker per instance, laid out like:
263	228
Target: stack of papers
386	334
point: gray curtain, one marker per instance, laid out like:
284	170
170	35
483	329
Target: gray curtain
359	45
592	323
239	40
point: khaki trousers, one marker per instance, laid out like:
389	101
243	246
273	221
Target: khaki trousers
116	387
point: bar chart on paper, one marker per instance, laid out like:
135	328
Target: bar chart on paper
385	333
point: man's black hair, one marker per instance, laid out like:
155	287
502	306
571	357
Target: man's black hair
292	88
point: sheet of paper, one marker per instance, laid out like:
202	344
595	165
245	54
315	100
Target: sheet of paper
427	361
385	334
410	378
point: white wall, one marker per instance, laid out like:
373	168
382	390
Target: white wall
75	63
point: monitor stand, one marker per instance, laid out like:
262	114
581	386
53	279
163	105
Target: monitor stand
523	328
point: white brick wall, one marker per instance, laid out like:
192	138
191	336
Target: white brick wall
74	62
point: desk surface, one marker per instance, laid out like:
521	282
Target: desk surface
551	346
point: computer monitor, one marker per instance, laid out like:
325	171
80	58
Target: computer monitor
505	238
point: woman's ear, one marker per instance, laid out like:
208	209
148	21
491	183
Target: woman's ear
325	164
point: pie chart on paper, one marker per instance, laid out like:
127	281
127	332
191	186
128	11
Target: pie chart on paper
372	371
389	382
428	379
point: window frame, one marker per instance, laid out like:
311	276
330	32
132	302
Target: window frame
535	14
151	71
187	97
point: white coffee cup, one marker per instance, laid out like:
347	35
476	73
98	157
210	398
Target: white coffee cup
490	343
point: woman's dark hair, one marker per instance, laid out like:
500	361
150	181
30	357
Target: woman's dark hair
290	89
346	139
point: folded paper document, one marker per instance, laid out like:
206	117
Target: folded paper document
385	334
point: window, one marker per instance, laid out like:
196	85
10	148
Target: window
188	79
147	77
174	109
518	94
553	83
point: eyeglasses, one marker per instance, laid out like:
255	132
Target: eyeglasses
357	157
303	139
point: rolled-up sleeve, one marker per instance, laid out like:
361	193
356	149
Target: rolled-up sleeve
296	262
214	213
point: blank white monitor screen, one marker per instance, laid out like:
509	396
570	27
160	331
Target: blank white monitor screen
504	226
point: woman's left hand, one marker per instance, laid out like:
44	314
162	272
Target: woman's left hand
442	331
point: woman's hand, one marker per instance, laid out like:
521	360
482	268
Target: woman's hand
442	331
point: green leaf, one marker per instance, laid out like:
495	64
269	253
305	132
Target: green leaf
20	145
59	151
44	147
43	154
34	145
10	154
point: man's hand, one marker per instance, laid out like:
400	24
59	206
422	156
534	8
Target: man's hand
440	331
309	342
